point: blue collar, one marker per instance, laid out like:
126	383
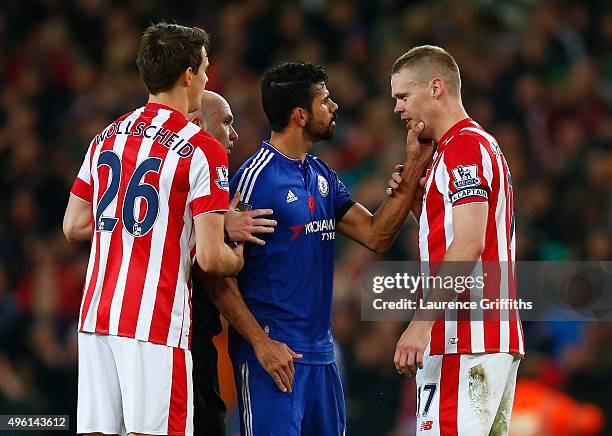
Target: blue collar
283	157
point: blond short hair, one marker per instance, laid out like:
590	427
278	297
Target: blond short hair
431	60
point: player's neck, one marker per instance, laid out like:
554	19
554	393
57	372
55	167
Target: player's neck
291	144
448	120
175	99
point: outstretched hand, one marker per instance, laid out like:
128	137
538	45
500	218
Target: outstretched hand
241	225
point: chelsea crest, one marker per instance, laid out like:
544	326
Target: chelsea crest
323	186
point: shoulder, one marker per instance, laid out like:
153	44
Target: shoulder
475	138
260	162
321	166
461	141
254	170
465	147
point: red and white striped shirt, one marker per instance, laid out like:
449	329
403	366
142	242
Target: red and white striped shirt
469	167
147	176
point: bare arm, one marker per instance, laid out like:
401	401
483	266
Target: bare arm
377	232
275	357
213	255
77	220
417	204
469	228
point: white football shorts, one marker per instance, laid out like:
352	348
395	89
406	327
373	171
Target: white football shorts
466	394
131	386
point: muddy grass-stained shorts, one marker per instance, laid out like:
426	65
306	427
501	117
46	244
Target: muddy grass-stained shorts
466	394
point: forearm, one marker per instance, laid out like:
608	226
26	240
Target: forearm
225	295
417	208
81	233
391	215
221	262
229	262
77	224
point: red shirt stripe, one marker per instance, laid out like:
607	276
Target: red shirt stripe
449	395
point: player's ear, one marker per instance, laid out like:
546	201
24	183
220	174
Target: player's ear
300	116
437	88
186	77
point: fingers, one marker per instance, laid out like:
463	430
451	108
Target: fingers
259	212
395	180
260	229
262	225
292	369
279	381
282	374
397	358
264	222
294	354
413	134
422	182
406	362
235	201
394	183
286	378
280	366
409	366
416	131
255	240
402	362
419	360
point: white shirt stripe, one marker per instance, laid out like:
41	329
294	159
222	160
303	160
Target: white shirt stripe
187	241
254	179
249	171
253	163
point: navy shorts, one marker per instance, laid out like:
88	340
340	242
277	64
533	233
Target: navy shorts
315	407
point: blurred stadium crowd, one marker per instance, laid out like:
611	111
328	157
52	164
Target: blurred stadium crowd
538	75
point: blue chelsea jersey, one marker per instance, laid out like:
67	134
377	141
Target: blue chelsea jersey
288	283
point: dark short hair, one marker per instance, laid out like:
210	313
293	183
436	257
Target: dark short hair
166	51
287	86
433	58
